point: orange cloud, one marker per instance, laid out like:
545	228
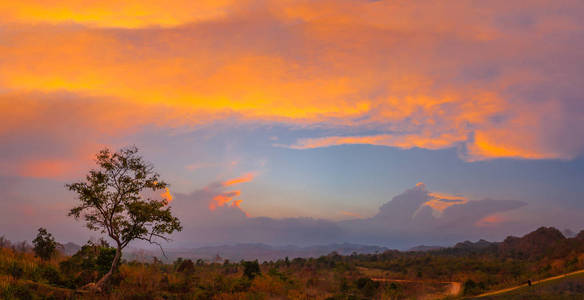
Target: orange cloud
107	13
245	178
68	165
488	145
236	203
439	201
224	198
166	195
350	214
46	168
400	141
428	75
490	220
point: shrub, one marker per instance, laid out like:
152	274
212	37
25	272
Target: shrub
251	269
472	288
91	262
52	275
242	285
23	292
16	270
186	266
14	291
367	286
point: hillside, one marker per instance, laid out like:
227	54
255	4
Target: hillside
263	252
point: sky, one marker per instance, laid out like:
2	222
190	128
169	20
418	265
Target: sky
393	123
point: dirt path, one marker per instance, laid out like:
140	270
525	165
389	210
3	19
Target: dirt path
498	292
454	287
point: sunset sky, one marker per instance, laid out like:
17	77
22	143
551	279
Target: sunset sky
301	122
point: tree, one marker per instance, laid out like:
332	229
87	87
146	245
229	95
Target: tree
44	245
114	201
251	269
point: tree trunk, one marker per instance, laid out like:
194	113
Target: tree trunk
103	281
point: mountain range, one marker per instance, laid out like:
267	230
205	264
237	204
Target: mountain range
539	242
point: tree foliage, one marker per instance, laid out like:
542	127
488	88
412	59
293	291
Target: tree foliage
44	245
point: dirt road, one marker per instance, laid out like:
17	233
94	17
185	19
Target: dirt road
498	292
454	287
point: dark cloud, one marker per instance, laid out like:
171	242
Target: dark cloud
404	221
230	224
409	219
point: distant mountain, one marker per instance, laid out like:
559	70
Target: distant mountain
538	242
545	241
542	241
424	248
68	248
265	252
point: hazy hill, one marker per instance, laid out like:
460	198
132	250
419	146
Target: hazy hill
539	242
478	245
68	248
263	252
423	248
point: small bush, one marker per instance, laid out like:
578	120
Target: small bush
186	267
16	270
21	292
51	274
472	288
367	286
251	269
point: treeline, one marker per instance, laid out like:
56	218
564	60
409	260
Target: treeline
22	246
